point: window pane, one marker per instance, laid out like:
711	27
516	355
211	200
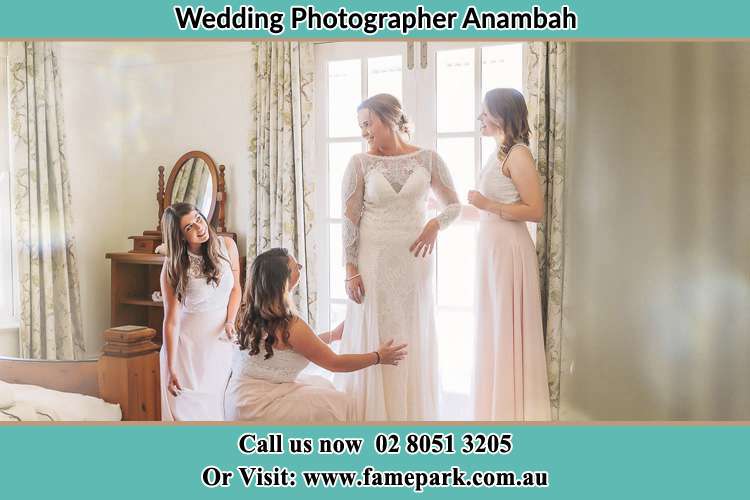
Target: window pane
336	271
458	153
455	350
532	231
488	148
502	67
6	254
384	76
455	261
337	314
344	95
455	91
339	154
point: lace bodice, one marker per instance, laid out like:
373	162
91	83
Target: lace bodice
284	366
201	296
393	190
494	184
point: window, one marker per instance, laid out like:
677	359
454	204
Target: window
349	72
8	287
445	120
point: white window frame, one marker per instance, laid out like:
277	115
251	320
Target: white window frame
324	53
421	107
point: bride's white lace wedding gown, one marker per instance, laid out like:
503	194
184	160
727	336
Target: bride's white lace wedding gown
385	209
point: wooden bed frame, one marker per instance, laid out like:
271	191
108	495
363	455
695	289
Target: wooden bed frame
131	381
67	376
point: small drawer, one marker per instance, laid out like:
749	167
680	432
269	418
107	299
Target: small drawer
143	245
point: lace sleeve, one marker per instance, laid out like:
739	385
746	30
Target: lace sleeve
352	197
442	186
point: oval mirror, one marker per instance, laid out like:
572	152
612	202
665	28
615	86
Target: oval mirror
193	180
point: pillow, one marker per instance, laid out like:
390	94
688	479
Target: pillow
67	406
7	399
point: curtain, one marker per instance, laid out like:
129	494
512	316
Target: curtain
546	94
280	168
49	290
183	182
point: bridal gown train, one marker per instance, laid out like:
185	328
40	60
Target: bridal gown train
385	209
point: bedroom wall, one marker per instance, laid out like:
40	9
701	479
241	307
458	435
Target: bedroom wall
130	107
172	98
191	96
657	304
94	106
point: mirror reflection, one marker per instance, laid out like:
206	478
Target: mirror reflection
194	184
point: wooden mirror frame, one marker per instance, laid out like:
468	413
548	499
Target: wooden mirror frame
216	214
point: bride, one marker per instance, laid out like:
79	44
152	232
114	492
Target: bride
388	239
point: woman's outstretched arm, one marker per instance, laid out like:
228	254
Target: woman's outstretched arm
305	342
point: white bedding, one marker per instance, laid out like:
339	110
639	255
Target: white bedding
20	402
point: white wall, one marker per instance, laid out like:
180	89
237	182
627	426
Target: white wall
191	98
94	107
130	107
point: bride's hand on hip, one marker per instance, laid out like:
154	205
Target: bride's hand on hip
425	243
355	289
391	354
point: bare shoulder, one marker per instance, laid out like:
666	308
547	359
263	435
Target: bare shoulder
230	244
520	158
298	325
520	152
298	329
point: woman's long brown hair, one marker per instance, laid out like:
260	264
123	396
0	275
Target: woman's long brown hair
267	309
178	261
507	106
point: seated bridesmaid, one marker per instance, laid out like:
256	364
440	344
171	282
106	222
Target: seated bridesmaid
275	345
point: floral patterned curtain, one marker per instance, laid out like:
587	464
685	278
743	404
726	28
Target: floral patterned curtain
280	168
50	298
546	93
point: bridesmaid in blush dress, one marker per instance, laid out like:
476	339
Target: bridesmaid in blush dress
276	345
201	288
510	375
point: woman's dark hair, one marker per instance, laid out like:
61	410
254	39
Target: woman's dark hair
266	310
178	261
507	106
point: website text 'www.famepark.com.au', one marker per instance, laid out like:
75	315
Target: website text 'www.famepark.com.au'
369	477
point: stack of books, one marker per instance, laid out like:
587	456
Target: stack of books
129	340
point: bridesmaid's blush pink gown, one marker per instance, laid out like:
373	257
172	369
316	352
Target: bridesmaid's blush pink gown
510	375
202	361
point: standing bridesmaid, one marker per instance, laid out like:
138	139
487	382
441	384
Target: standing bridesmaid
200	284
510	375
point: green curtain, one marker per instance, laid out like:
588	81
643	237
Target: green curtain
280	171
546	94
49	290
